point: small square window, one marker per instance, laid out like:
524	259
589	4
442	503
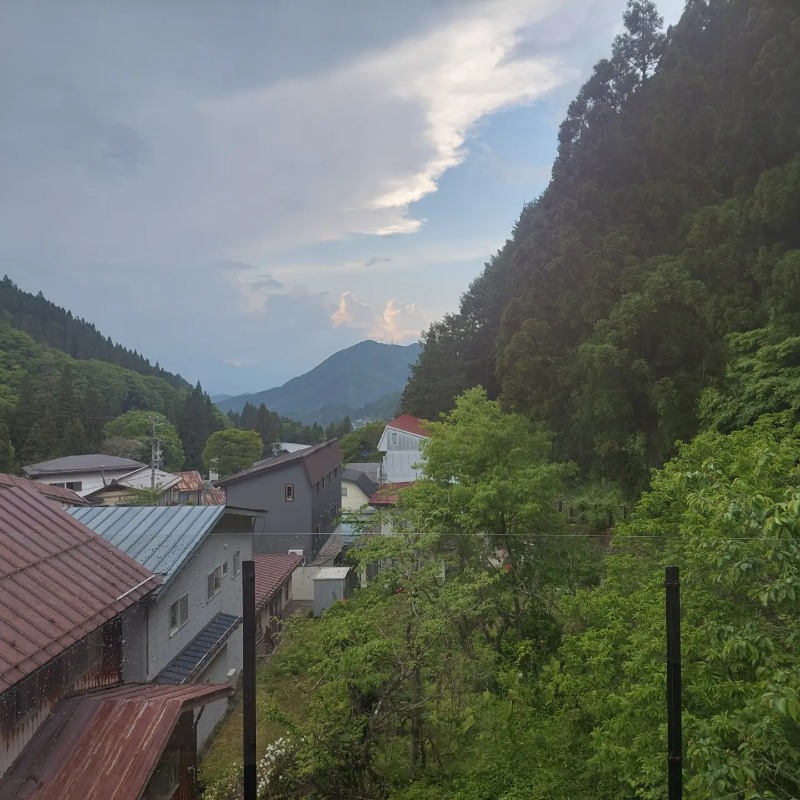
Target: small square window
288	492
344	491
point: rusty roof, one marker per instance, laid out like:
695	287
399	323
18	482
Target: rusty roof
272	571
213	496
190	481
389	493
317	461
103	745
59	581
57	493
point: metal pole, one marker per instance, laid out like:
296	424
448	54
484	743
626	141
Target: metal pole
674	732
249	678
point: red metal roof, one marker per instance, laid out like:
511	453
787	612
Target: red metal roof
191	481
389	493
213	496
58	493
409	424
59	581
272	571
104	745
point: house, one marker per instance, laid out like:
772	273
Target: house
359	483
189	630
82	474
64	497
65	597
191	489
273	591
401	444
299	495
122	491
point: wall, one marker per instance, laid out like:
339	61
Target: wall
134	642
402	453
218	547
328	591
303	583
355	498
90	480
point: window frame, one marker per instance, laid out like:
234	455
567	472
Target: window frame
288	493
237	563
178	605
216	576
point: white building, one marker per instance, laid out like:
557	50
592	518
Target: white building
83	474
401	445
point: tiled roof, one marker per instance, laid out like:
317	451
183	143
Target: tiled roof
161	538
409	424
317	462
57	493
59	581
389	493
191	481
191	661
103	745
92	462
272	571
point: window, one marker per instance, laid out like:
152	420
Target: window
335	471
344	491
288	492
323	481
394	437
286	592
76	486
214	581
237	562
178	614
224	567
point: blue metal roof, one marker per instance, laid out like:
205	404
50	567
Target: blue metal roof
160	538
188	663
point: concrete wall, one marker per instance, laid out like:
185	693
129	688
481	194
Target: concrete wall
134	642
217	548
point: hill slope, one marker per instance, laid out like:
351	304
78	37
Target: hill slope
669	224
346	382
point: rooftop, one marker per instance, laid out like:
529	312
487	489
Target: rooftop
331	573
57	493
59	581
389	493
317	461
409	424
272	571
104	745
141	478
161	538
364	482
191	661
92	462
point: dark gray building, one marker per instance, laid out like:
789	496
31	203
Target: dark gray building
299	492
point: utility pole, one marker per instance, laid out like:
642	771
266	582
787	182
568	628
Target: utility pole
674	728
249	678
155	454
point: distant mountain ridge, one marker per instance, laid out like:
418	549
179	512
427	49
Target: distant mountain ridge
342	385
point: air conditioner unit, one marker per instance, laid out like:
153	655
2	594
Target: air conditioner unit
297	552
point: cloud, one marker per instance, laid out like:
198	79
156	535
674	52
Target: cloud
371	262
397	322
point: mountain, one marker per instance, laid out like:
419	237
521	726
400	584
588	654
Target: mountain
340	386
669	226
218	398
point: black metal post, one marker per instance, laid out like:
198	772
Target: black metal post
674	732
249	678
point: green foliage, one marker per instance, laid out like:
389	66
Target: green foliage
231	451
361	445
142	427
669	224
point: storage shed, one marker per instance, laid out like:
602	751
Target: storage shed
331	584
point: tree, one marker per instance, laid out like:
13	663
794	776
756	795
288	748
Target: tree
140	426
362	443
230	451
74	440
8	462
193	427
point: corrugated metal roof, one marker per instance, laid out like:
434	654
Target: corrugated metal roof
104	745
272	571
190	481
212	496
57	493
161	538
191	661
58	582
91	462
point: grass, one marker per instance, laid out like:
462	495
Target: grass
273	691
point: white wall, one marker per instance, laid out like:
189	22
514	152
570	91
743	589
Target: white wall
355	498
402	453
90	480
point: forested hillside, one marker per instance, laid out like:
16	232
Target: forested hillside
56	399
669	225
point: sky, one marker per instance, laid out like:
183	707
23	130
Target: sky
239	189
